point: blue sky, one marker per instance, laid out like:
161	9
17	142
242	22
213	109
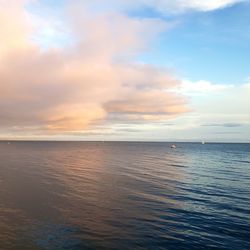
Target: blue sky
206	45
126	70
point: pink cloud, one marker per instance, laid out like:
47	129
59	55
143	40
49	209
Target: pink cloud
68	89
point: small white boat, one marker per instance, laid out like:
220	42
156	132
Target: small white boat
202	142
173	146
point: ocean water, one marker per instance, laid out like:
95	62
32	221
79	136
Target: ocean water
124	195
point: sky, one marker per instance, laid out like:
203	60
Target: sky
145	70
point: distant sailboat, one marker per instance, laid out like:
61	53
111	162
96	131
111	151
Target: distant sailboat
203	142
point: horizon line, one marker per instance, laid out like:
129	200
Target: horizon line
133	141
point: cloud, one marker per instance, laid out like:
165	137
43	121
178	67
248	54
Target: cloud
215	110
186	5
201	87
14	26
69	88
166	6
234	100
146	95
226	125
148	105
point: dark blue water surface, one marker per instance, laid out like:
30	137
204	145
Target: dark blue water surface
124	195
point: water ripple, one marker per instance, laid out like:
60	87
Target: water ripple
114	195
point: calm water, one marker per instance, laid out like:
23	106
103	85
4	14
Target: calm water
78	195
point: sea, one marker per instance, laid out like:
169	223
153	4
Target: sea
124	195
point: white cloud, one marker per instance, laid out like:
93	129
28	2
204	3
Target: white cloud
210	99
201	87
166	6
218	112
185	5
